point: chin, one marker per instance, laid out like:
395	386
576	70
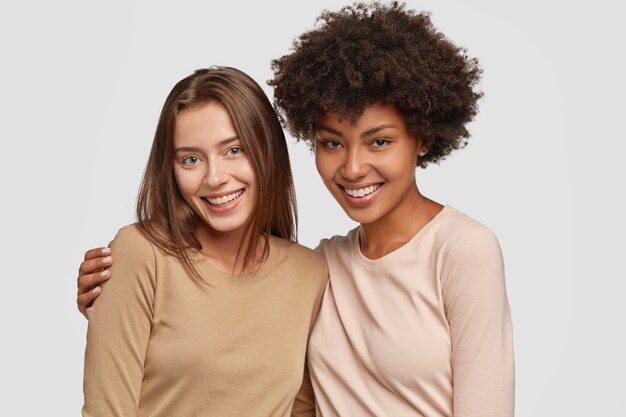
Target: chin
227	227
361	216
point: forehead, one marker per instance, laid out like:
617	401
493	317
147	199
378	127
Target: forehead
208	122
373	115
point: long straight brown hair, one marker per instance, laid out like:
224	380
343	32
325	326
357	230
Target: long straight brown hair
164	217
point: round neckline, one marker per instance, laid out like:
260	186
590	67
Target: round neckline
210	274
381	263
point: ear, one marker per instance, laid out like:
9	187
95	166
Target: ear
422	148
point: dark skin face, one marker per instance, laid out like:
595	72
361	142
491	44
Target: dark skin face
369	168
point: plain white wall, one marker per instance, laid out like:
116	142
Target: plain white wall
81	87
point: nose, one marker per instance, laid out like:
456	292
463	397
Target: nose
215	175
354	166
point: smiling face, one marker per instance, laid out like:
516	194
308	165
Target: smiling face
213	173
369	166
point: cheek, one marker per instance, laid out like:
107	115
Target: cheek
400	165
323	163
246	174
186	181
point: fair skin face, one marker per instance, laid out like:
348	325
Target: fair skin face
375	157
215	178
369	168
217	181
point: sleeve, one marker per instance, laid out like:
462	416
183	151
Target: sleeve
477	310
120	322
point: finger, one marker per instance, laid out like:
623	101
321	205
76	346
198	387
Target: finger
97	252
84	300
87	282
95	265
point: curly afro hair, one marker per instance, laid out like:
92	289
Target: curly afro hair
365	54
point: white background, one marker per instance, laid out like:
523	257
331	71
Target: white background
81	87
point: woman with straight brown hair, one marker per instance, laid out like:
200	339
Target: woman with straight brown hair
213	301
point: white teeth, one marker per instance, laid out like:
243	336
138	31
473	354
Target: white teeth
225	198
362	192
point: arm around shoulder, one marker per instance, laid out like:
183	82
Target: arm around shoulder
477	309
120	322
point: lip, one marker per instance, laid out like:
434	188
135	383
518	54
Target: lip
224	208
222	194
360	201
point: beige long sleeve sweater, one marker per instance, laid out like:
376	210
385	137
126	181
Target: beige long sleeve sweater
162	343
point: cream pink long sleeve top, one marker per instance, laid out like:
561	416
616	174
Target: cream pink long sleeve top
423	331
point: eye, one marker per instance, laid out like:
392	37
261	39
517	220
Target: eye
190	160
380	142
234	151
331	144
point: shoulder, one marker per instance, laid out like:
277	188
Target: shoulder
131	235
463	239
451	224
130	244
337	243
305	260
133	272
133	275
298	253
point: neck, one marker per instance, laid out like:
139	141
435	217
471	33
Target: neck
395	229
221	249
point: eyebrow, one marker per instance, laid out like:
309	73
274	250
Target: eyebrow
377	129
196	149
329	130
366	133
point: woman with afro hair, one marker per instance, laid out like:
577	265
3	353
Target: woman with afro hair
415	319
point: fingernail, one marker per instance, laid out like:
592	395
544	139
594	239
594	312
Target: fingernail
106	251
106	260
104	273
95	290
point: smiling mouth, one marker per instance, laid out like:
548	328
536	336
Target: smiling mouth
224	199
361	192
